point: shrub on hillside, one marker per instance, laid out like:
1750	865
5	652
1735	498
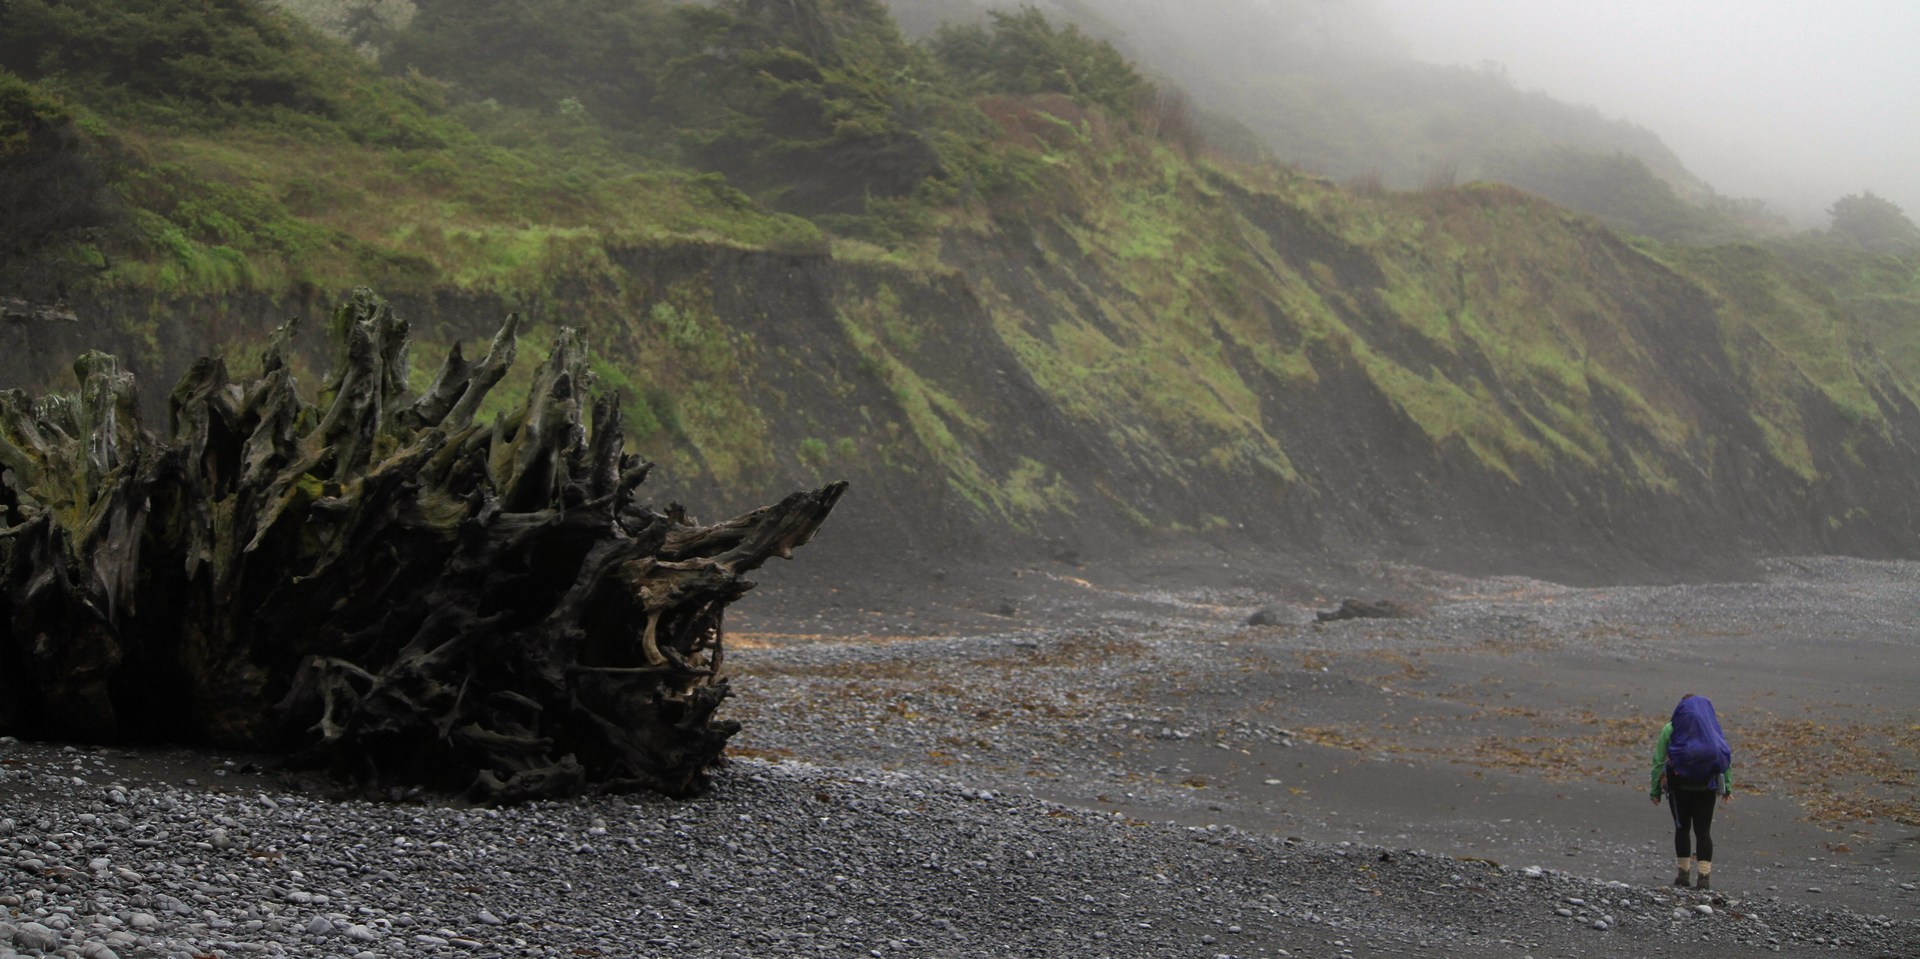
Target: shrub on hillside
209	64
537	54
1021	52
815	106
228	52
1621	191
54	194
1874	224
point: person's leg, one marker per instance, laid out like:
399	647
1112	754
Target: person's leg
1682	843
1703	835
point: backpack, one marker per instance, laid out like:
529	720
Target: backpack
1698	751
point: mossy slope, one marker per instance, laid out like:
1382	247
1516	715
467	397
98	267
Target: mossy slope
1076	326
1449	368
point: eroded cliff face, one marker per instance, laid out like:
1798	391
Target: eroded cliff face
1469	378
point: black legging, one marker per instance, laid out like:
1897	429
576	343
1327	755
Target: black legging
1692	809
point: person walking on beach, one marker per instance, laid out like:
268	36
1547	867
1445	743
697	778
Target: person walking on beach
1691	761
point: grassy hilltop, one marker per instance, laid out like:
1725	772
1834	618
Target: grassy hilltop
996	276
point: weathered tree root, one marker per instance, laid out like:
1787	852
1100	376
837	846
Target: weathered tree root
375	582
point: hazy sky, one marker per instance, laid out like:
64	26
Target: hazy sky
1794	101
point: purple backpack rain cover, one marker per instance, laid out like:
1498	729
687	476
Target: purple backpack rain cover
1698	750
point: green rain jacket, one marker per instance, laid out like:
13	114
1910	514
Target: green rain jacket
1660	769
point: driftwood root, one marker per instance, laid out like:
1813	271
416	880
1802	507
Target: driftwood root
375	580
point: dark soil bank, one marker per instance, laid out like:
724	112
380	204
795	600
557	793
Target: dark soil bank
1121	771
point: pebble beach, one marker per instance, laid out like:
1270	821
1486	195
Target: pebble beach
1147	778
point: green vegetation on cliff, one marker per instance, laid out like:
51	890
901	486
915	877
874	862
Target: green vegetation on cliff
248	152
996	265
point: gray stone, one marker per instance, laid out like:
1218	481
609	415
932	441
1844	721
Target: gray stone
33	935
1265	616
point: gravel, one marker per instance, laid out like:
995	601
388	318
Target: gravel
783	859
906	824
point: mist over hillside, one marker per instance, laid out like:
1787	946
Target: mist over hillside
1410	95
1795	101
1333	87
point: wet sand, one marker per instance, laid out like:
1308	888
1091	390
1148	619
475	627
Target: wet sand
1510	721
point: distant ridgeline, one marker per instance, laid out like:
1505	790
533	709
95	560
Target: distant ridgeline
998	278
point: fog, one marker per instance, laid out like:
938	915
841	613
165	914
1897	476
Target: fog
1794	101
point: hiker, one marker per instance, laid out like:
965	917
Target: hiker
1690	764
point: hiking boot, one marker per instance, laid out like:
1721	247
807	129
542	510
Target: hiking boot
1705	882
1683	880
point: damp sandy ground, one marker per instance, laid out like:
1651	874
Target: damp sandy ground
1066	763
1510	721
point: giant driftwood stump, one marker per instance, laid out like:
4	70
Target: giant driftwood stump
375	581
